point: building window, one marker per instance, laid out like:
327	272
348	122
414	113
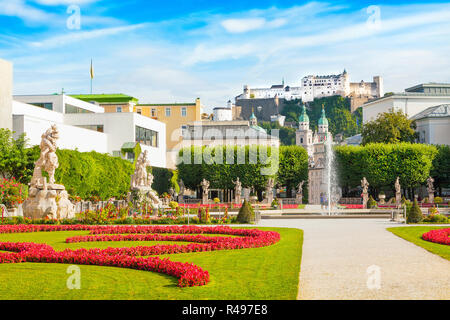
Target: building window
301	140
153	112
183	112
139	111
146	136
45	105
73	109
167	112
118	109
94	127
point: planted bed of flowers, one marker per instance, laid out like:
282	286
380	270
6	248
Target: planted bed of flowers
140	257
441	236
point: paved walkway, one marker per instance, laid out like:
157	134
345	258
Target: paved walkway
337	255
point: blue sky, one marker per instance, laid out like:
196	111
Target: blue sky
175	51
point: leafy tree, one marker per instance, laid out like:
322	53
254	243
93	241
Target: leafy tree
16	161
389	127
441	168
286	134
381	164
293	167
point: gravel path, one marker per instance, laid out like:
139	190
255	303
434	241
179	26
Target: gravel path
337	255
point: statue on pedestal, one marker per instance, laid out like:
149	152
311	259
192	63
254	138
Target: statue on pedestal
205	188
141	183
181	193
47	199
398	194
430	189
299	194
365	188
269	190
237	191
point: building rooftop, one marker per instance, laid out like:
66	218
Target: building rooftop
421	87
165	104
439	111
105	98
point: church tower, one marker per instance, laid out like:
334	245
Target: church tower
304	135
323	133
253	120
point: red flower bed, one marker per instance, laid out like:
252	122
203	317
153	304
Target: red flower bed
438	236
136	257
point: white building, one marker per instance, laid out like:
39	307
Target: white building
433	125
86	127
214	133
314	86
414	100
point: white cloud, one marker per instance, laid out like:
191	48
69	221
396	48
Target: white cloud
243	25
76	36
18	8
63	2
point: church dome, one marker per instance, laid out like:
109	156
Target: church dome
303	117
323	119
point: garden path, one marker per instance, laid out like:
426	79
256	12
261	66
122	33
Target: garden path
338	255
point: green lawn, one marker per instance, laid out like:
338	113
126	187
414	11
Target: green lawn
259	273
414	234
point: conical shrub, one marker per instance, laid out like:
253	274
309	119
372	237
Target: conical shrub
246	213
414	215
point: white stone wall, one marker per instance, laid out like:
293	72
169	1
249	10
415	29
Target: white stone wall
5	94
434	130
409	104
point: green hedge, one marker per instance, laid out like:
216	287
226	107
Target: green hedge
88	174
382	163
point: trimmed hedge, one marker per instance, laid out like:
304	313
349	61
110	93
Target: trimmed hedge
382	163
90	174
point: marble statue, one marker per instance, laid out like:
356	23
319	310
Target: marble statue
269	190
299	194
205	188
182	190
430	189
365	188
237	191
398	194
141	183
47	199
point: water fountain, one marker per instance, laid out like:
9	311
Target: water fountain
332	188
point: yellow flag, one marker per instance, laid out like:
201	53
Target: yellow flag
92	70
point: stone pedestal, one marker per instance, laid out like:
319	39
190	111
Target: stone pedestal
299	198
398	199
237	199
431	197
269	197
365	198
48	200
144	195
382	199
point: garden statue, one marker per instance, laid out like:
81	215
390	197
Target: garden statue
205	188
47	199
237	191
299	194
398	194
141	184
430	189
269	190
181	193
365	195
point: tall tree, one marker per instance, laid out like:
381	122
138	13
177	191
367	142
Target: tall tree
389	127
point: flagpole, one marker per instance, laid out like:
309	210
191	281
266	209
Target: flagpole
92	75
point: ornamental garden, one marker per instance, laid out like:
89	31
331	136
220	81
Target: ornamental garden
135	232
